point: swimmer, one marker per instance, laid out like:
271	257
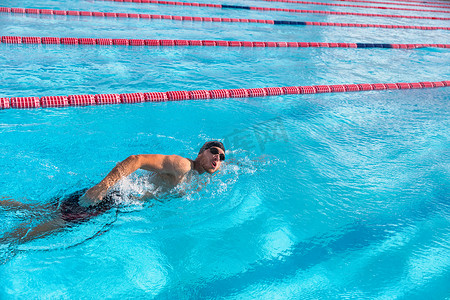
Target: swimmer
170	170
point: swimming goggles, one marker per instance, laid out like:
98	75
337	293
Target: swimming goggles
216	151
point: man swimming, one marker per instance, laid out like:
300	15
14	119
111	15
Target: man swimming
81	206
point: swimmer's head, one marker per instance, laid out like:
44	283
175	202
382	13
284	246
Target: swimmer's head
210	156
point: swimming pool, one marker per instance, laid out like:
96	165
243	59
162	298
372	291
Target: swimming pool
339	195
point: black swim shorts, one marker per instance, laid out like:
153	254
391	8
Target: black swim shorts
72	212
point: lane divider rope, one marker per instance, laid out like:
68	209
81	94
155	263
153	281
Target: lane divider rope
411	1
202	19
443	5
218	43
101	99
350	5
301	11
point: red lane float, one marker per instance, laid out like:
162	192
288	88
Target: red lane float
54	101
132	98
4	103
81	100
200	94
156	97
272	22
100	99
208	43
359	6
25	102
184	18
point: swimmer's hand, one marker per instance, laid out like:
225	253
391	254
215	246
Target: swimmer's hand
93	196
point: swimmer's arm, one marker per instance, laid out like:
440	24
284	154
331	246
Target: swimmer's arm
170	164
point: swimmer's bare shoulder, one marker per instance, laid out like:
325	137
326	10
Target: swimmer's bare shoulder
174	165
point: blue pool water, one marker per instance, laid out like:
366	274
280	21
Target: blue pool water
322	196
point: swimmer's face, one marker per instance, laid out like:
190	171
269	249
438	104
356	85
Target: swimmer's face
211	159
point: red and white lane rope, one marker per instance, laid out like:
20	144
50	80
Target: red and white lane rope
358	6
202	19
443	5
100	99
218	43
301	11
412	1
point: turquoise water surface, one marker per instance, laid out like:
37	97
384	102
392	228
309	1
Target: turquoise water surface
322	196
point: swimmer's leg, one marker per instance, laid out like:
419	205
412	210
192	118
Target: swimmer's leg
24	233
11	204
